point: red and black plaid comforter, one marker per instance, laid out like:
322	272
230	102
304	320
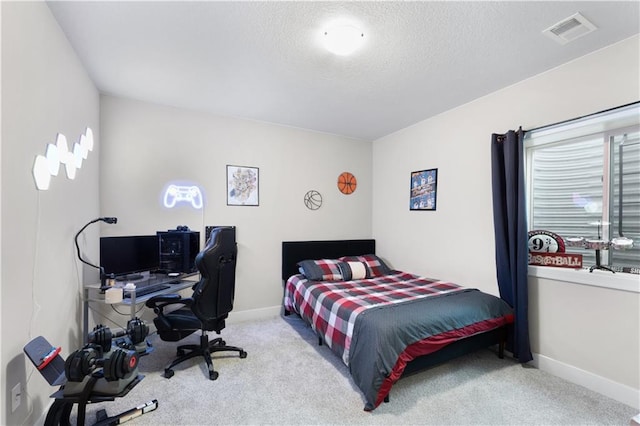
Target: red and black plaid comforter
331	307
378	325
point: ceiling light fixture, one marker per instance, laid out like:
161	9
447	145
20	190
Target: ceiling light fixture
343	39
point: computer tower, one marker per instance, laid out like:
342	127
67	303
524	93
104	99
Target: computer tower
178	250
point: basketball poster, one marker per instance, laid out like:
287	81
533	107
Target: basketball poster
423	190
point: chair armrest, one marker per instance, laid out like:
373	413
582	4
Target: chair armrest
154	300
160	301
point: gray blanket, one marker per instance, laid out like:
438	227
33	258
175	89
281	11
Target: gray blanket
382	334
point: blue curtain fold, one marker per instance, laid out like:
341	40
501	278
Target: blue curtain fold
510	225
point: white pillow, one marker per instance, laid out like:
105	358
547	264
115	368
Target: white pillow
358	270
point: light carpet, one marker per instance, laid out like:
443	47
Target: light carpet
288	379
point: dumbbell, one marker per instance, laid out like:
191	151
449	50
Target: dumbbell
118	365
137	330
82	363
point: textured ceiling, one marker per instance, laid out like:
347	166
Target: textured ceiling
264	60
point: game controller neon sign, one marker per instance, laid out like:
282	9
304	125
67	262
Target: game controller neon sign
48	165
182	194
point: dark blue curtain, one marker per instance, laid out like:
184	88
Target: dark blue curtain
510	223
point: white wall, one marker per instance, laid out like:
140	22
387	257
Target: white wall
45	90
456	242
593	331
141	147
144	147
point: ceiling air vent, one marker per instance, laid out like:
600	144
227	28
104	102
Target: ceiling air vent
570	29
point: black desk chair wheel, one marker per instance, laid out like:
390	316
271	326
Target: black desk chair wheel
208	307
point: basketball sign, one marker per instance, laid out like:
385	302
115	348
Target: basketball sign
347	183
545	242
547	249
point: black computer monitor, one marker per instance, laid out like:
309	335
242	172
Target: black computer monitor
126	256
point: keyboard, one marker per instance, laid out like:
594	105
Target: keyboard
143	291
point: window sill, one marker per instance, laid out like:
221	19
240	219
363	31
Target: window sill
617	281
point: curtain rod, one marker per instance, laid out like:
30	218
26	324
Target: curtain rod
583	116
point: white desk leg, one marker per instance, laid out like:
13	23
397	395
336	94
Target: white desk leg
133	304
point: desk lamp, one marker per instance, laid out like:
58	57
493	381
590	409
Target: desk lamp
110	220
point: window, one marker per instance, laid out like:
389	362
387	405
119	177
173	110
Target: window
583	180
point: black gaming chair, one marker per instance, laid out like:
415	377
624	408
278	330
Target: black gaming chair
207	308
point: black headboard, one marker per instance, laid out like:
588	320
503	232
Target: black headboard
295	251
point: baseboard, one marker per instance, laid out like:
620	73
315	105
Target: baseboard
614	390
254	314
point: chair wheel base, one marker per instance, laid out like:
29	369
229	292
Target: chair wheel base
213	375
243	354
168	373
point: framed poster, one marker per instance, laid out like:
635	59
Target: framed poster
424	186
243	186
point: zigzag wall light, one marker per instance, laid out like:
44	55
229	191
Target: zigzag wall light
48	165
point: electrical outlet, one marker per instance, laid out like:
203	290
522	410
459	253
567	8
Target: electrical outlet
15	397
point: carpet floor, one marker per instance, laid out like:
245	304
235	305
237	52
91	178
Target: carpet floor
287	379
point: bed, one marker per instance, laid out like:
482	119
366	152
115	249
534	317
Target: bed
386	323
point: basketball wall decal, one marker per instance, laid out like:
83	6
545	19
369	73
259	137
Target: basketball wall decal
347	183
313	200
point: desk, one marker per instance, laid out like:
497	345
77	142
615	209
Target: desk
92	293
